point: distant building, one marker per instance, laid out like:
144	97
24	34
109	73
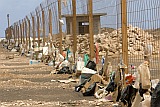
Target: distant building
83	23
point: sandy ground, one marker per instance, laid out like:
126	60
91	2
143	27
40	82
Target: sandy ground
24	85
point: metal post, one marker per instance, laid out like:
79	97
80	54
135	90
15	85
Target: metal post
60	26
74	28
43	22
124	33
90	11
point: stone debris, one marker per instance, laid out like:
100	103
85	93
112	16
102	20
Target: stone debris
112	41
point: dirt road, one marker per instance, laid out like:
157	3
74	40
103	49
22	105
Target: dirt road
22	84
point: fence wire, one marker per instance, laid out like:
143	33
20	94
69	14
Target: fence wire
143	28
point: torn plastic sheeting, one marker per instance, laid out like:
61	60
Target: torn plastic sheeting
80	65
13	50
61	58
154	83
64	63
88	71
45	50
86	74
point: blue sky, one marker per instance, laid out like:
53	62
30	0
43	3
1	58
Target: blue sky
17	9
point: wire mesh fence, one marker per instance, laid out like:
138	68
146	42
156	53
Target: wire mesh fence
143	18
142	28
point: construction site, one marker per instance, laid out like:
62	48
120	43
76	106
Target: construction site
82	53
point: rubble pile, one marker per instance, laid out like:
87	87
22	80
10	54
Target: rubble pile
112	41
82	43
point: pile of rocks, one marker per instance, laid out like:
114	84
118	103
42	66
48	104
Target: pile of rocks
137	41
82	43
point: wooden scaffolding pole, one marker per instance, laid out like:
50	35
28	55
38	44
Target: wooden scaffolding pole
60	26
124	33
90	11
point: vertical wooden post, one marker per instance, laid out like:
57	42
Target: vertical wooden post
18	33
14	32
11	34
74	28
29	32
9	31
124	33
43	26
33	30
8	20
60	26
6	33
26	33
50	25
21	30
90	11
38	29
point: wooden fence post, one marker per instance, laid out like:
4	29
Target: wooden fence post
60	25
33	29
74	28
50	25
124	33
90	11
20	30
26	34
43	26
29	32
38	28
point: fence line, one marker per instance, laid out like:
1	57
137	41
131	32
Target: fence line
143	33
